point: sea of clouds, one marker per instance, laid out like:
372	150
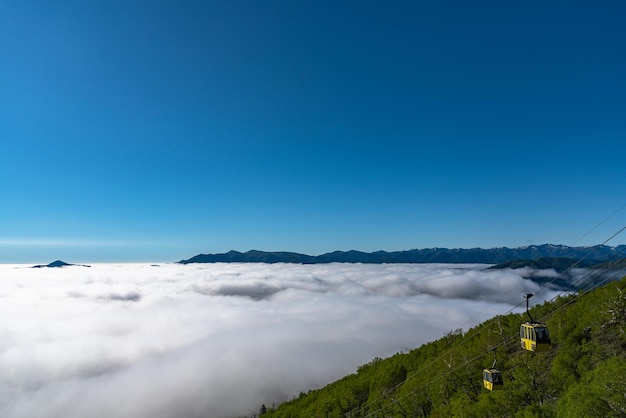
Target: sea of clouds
219	340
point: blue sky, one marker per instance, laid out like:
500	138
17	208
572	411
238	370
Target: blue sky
157	130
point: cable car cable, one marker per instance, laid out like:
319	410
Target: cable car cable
466	338
598	225
452	370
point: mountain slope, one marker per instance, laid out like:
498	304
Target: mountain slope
559	264
584	374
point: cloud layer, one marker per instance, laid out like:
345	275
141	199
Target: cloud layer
218	340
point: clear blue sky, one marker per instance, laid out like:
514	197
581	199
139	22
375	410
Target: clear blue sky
157	130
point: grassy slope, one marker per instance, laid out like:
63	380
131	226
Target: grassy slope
583	375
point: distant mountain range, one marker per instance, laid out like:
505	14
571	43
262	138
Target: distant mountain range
587	255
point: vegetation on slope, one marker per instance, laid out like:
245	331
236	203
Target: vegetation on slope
584	374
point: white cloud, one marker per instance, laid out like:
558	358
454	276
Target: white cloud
135	340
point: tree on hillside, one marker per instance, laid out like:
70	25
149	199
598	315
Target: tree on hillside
600	393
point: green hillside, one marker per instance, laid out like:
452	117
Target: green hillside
583	375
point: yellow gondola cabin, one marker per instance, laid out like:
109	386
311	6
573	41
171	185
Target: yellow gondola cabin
492	379
534	337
